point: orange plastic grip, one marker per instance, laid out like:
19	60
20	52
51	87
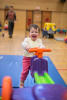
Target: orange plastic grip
39	51
33	50
6	88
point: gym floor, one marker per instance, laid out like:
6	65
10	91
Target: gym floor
58	55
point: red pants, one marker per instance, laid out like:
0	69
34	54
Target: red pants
26	66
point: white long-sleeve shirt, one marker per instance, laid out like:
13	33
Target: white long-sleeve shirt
31	44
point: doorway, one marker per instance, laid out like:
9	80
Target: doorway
37	17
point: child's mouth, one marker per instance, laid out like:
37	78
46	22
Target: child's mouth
34	36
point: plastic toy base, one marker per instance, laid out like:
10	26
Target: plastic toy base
40	92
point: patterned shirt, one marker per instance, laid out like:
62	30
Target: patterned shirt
31	44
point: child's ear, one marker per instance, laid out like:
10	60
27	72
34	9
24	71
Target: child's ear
38	34
29	34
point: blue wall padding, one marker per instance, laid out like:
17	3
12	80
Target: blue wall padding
12	65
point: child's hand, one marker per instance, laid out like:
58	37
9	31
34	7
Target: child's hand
27	48
14	22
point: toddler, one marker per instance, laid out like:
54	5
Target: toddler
30	42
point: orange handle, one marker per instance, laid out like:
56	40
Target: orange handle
33	50
39	51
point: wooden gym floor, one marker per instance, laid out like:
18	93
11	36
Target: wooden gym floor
58	55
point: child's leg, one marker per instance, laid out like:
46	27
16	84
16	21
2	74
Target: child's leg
21	84
26	67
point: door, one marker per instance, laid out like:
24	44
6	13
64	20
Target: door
46	17
5	12
29	19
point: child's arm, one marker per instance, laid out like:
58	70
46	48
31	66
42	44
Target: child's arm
25	44
6	18
14	16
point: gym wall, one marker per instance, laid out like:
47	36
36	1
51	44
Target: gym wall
58	9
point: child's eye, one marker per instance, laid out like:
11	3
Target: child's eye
35	31
32	32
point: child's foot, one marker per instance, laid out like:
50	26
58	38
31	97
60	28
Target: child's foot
21	84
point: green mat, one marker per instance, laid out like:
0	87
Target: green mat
0	98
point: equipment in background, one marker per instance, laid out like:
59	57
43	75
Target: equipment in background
49	30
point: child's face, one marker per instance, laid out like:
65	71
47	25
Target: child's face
34	34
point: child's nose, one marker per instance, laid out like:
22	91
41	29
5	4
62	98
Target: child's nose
34	32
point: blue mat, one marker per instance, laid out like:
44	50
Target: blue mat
12	65
54	74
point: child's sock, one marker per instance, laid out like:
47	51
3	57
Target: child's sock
21	84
